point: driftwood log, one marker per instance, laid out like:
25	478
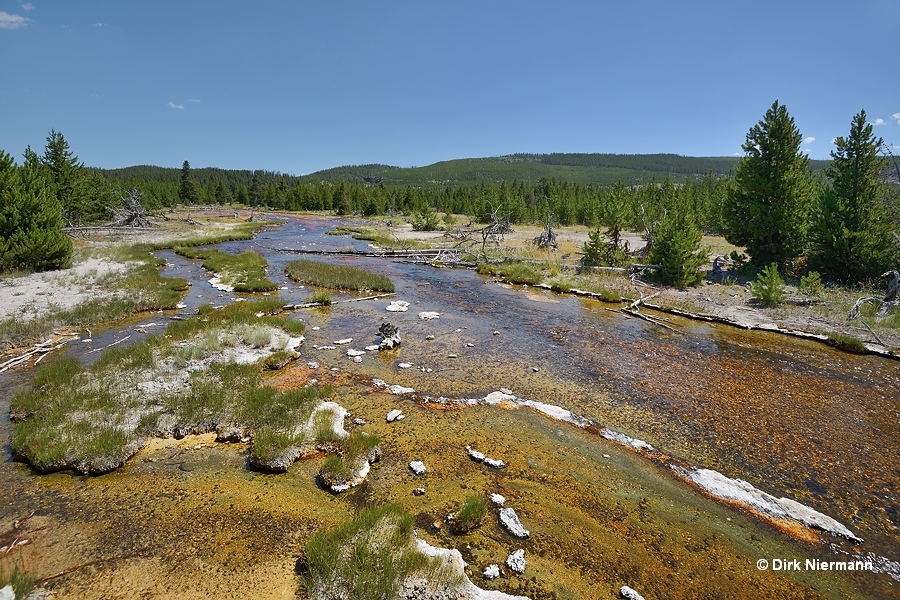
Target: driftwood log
887	304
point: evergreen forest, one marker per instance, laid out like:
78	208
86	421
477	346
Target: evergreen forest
774	201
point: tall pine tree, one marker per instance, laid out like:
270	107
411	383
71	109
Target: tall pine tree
768	208
187	193
30	220
67	177
850	240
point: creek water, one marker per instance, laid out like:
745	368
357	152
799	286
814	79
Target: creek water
794	418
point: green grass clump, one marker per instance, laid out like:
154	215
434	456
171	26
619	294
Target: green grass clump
337	277
270	443
471	514
92	419
512	271
246	272
22	582
323	424
369	557
322	297
846	342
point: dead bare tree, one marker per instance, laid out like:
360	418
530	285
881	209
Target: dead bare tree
132	213
494	232
547	239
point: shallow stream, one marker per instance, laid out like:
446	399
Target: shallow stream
794	418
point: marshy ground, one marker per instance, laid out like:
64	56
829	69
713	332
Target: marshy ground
190	518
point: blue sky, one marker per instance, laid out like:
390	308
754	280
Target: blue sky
299	86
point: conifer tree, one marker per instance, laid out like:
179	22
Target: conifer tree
187	193
676	248
67	178
768	208
30	220
850	239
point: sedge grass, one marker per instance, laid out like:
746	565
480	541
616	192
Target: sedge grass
470	514
337	277
92	419
245	272
516	272
370	557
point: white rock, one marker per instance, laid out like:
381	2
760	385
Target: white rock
404	365
510	520
626	440
741	491
399	390
498	500
494	462
398	306
7	593
629	594
343	341
429	315
418	467
351	352
312	364
475	454
394	415
371	348
357	359
316	328
492	572
496	332
516	561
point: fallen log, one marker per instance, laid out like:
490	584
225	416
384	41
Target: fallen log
42	349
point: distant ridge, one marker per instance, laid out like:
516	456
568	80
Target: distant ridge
583	169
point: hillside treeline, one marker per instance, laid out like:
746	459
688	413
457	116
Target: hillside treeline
774	201
519	201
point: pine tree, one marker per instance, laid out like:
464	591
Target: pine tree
676	248
850	236
187	193
768	208
67	178
30	220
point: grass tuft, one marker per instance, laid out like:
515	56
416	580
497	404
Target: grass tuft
337	277
471	514
516	272
370	557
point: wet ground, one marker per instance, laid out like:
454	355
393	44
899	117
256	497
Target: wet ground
794	418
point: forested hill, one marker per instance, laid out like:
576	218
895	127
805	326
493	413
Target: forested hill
583	169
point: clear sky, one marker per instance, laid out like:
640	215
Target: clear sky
295	86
